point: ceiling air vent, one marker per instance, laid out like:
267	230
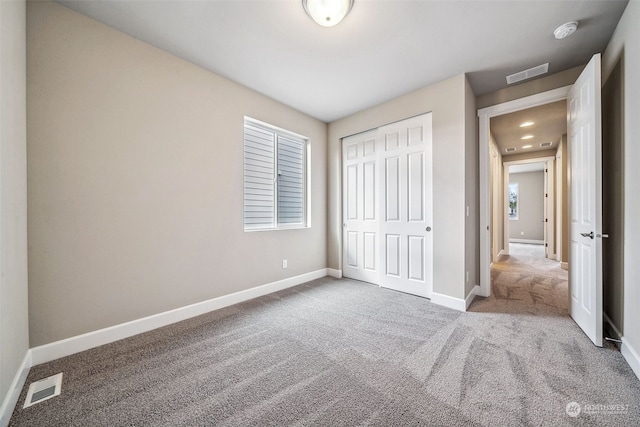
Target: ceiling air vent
42	390
527	74
510	150
546	144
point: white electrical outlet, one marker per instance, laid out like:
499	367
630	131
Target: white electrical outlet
284	263
522	233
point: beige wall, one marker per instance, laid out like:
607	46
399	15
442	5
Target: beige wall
135	181
14	322
613	197
530	206
496	195
563	193
446	100
625	45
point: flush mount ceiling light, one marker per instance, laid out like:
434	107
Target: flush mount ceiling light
526	124
527	137
527	146
565	30
327	12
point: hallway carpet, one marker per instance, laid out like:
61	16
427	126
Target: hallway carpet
345	353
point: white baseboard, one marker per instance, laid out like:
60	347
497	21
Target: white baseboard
332	272
631	356
564	265
532	242
13	394
475	291
447	301
69	346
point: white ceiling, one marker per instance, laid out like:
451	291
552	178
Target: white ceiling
549	124
381	50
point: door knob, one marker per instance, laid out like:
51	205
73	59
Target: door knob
590	235
428	228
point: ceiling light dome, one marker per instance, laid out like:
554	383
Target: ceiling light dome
327	12
565	30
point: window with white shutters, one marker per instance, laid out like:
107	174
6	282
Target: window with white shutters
275	167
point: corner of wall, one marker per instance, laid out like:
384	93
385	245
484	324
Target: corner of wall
14	321
472	192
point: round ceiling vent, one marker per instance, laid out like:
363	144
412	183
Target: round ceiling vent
565	30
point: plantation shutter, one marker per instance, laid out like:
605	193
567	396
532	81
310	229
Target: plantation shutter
290	180
259	176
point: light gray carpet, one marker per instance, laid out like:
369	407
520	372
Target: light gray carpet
522	282
343	353
526	249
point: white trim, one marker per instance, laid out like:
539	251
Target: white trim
332	272
13	394
506	176
471	296
484	116
529	241
631	356
68	346
564	265
449	302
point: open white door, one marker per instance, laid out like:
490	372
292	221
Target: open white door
585	151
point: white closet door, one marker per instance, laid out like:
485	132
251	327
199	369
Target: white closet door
360	207
405	203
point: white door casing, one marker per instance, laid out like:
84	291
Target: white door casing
585	165
549	209
360	207
484	117
406	212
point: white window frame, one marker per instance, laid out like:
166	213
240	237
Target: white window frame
278	134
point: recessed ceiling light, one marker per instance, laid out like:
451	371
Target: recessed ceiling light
527	146
565	30
527	137
526	124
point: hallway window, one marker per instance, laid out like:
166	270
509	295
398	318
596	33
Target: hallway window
513	200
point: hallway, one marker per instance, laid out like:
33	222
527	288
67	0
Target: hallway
525	281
